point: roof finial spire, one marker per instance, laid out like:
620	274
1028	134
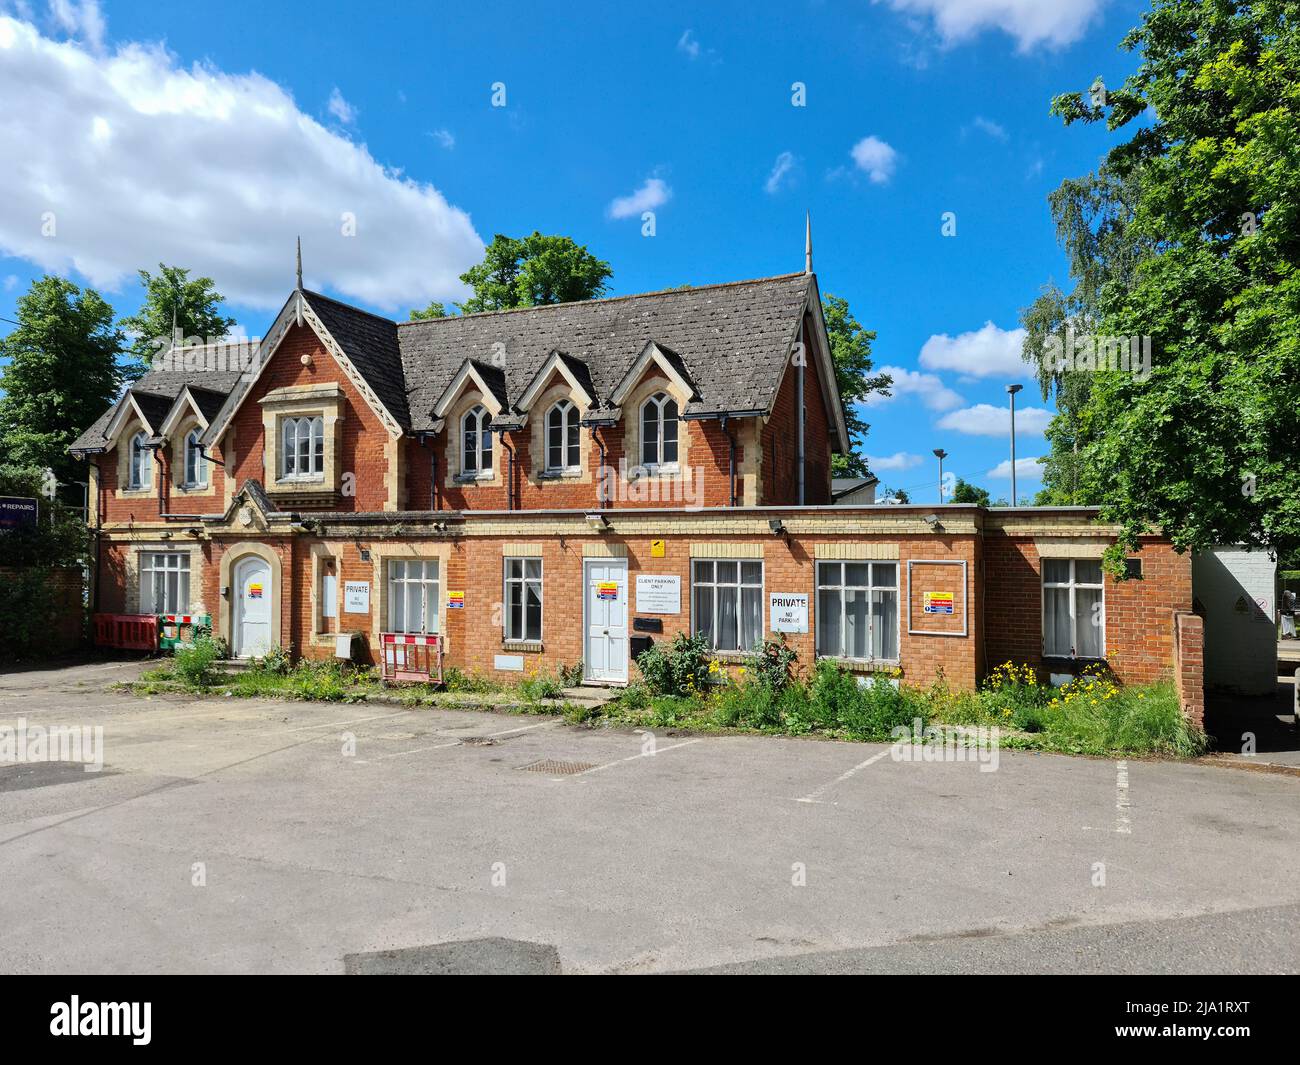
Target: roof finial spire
807	243
299	264
176	341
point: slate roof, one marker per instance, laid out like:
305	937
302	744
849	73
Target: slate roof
155	392
733	340
730	341
370	342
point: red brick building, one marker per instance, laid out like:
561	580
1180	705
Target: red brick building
559	484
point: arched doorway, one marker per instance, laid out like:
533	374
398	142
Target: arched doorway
254	593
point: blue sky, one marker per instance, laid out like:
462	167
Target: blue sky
208	137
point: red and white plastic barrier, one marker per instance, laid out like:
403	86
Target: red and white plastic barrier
410	657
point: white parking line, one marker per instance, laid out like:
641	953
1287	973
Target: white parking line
1122	824
816	796
634	757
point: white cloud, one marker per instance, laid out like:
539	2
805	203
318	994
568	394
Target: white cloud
340	108
141	160
83	20
1054	23
11	282
653	193
985	352
445	137
927	386
984	419
876	158
1026	469
987	125
899	460
688	45
783	165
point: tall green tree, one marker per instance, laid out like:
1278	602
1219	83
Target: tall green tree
195	303
1206	446
61	371
851	353
434	310
534	270
965	492
1093	217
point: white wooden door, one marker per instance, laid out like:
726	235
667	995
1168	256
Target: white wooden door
605	618
253	597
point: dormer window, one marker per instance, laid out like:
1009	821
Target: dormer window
141	475
476	442
302	456
659	431
563	443
196	465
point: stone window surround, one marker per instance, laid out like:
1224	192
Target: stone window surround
319	636
178	461
380	555
124	490
324	401
632	430
134	565
537	439
466	401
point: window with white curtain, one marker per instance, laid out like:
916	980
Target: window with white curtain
476	441
141	473
857	610
1074	615
728	602
563	442
164	583
413	596
659	430
196	466
302	454
523	578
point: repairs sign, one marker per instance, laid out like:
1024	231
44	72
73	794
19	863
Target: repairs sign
17	512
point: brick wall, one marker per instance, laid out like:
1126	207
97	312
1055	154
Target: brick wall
1189	667
1139	613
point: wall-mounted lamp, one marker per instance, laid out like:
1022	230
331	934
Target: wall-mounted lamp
598	522
777	526
931	520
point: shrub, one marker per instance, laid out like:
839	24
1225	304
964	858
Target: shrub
864	712
278	660
680	668
571	676
771	663
751	704
326	681
636	696
457	680
541	686
194	664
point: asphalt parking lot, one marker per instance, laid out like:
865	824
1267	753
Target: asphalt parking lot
225	835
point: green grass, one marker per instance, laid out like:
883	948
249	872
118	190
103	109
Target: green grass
1091	716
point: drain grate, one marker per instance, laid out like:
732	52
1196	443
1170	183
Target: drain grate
557	768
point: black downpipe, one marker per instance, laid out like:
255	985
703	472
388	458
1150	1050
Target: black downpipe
731	470
600	479
510	476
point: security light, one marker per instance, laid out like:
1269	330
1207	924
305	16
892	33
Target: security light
598	522
777	526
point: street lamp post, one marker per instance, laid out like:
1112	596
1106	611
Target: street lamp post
1011	391
940	454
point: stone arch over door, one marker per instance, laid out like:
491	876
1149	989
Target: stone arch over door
230	558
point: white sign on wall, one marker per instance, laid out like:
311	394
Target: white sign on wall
658	594
789	611
356	597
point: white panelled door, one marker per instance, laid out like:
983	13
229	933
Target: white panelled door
605	618
253	592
